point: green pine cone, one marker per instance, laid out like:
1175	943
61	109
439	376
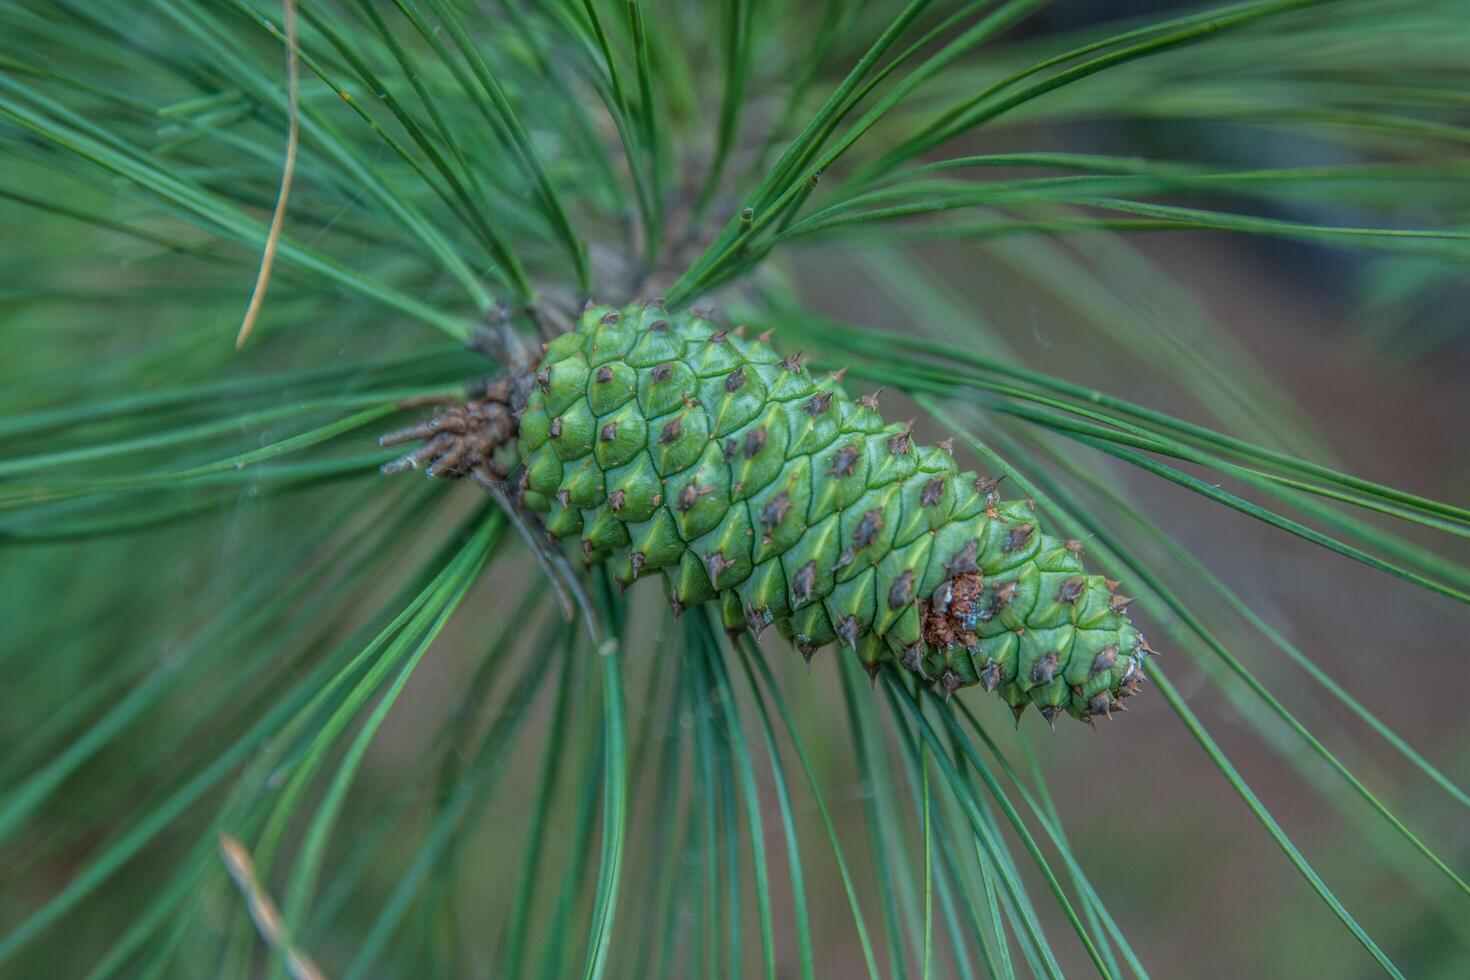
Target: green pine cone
666	443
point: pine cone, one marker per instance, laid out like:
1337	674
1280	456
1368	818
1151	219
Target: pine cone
668	444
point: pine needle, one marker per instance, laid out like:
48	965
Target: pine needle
288	170
262	908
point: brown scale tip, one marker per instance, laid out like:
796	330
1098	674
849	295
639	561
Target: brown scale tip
677	606
990	677
872	670
837	375
636	561
1105	659
765	336
1071	590
988	486
1050	712
792	362
564	498
913	659
556	426
1074	546
604	374
1018	710
948	446
1119	603
756	619
615	500
1101	704
819	403
951	682
870	400
806	650
847	630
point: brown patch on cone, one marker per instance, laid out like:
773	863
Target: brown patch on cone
867	530
990	677
661	372
843	462
1044	671
755	441
805	580
999	600
898	444
615	500
944	616
609	432
671	431
847	630
964	560
791	363
1071	590
819	403
1018	537
932	493
690	495
736	380
901	591
775	511
714	563
555	429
